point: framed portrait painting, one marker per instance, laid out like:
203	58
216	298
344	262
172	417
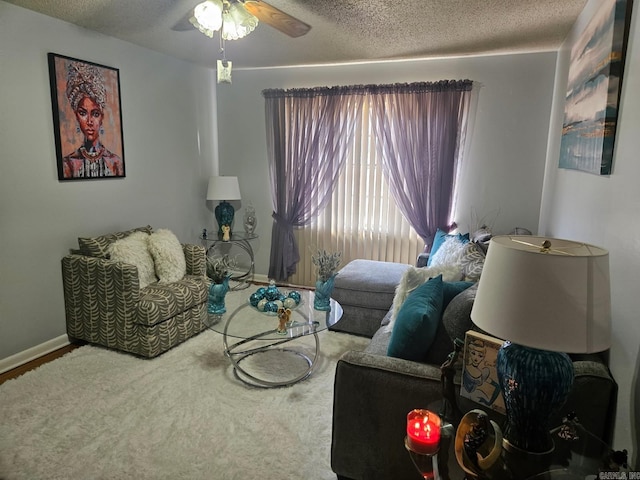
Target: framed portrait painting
593	90
87	119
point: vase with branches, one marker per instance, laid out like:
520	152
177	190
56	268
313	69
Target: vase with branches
219	271
327	264
220	268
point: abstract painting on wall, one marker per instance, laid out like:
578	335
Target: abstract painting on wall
593	90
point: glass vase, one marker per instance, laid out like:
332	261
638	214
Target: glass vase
250	221
217	292
322	297
425	463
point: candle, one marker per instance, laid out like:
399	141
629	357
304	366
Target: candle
423	431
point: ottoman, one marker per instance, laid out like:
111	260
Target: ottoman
365	289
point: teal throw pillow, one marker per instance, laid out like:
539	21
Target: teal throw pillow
453	317
439	239
451	289
417	321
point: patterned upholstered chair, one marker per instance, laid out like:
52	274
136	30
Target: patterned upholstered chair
105	305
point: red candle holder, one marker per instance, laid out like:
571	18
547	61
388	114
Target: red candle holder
423	441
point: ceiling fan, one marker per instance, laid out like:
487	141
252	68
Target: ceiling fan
263	11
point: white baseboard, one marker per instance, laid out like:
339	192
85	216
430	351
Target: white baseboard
258	277
32	353
49	346
265	279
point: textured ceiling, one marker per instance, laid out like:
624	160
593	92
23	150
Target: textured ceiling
342	30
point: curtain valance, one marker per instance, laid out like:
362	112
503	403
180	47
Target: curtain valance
415	87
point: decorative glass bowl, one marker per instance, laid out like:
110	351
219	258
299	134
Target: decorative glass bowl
269	299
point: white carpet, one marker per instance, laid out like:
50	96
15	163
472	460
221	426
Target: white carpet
100	414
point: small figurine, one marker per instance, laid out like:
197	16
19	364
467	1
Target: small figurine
568	430
475	437
225	233
616	461
283	316
450	409
478	443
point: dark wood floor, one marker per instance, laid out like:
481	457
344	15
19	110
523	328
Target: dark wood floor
16	372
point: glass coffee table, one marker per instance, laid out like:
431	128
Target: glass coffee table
261	356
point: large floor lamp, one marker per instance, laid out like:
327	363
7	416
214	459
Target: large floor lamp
546	297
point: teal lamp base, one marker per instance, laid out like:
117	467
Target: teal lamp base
224	215
535	384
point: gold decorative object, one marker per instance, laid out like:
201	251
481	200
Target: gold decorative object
225	233
487	452
283	316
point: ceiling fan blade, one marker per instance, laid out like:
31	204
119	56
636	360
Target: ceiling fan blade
183	25
276	18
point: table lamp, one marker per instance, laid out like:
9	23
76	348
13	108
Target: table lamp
546	297
223	189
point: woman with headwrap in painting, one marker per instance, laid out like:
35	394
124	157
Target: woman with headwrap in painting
87	95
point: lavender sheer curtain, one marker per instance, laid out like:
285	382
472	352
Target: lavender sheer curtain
420	129
309	133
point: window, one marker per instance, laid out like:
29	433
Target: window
361	220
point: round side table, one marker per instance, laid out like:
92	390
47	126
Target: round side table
216	248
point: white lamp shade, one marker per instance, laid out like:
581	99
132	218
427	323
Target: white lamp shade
223	188
557	300
207	17
237	22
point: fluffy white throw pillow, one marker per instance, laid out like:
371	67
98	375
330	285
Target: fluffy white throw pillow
413	278
168	256
133	250
449	253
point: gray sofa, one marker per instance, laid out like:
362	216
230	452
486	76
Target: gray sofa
374	392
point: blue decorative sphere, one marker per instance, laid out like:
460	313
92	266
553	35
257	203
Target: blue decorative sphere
271	307
295	295
261	291
254	299
272	294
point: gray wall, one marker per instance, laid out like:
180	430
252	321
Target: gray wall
606	211
168	109
170	146
503	171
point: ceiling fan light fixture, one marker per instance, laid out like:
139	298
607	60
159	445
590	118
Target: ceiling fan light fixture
237	22
207	17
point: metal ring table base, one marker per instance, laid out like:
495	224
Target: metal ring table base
236	356
243	280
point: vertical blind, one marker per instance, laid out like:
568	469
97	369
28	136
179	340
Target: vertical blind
361	220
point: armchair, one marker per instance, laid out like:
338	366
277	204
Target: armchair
105	305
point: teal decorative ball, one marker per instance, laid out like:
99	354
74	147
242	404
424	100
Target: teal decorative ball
272	293
271	307
254	299
295	295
